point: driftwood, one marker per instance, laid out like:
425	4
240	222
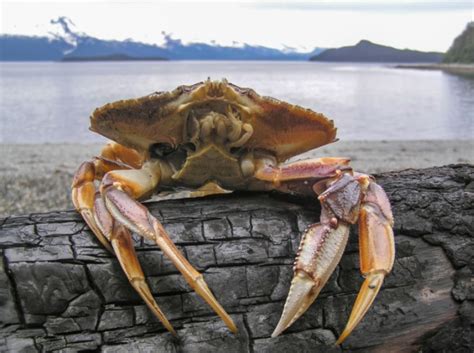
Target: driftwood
59	290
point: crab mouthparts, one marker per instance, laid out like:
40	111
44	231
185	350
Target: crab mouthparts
225	129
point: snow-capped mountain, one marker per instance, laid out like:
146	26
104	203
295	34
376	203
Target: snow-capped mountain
65	42
64	29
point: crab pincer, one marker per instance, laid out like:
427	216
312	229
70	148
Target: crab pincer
320	251
347	200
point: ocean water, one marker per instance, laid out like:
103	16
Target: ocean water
51	102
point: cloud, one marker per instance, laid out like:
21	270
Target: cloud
302	24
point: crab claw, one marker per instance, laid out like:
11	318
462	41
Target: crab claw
301	296
320	251
377	252
364	300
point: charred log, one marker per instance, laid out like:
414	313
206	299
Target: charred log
60	290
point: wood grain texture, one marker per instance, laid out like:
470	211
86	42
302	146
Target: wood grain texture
60	291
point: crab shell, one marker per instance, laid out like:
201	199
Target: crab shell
284	129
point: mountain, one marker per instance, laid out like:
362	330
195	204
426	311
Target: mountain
34	48
24	48
462	49
71	45
89	47
366	51
203	51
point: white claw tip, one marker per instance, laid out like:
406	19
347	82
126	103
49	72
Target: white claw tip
277	332
300	297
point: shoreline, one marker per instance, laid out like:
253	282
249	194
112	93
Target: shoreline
463	69
37	178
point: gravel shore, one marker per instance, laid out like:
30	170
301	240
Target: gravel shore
37	178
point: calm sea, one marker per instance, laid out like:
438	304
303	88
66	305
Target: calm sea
51	102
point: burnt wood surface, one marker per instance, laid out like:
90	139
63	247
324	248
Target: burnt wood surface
60	291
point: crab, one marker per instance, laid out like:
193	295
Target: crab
214	137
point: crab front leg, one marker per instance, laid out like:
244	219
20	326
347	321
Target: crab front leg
91	206
113	156
119	189
345	199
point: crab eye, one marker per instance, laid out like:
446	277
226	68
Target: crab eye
161	149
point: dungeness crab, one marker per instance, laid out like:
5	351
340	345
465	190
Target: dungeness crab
212	137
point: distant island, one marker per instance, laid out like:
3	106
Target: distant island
366	51
111	57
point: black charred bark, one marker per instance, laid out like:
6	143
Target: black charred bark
59	290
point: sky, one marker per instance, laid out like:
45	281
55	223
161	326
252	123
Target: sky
429	25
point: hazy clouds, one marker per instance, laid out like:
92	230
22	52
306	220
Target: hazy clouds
424	25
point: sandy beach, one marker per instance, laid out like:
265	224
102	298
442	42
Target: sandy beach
37	178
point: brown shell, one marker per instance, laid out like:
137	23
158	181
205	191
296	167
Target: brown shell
283	128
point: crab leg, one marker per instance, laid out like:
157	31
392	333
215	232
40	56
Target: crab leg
113	156
106	229
123	246
121	241
310	169
345	199
377	250
83	193
113	151
119	190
